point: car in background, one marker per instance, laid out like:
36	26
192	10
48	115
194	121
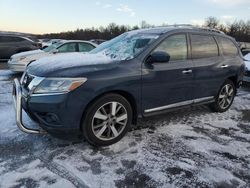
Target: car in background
98	41
22	55
244	47
20	61
12	44
48	42
246	78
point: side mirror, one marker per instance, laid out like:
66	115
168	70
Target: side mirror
43	47
158	57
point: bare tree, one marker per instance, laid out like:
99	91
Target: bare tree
212	22
240	30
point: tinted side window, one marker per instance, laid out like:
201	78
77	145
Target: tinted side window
6	39
10	39
203	46
228	47
17	39
175	46
85	47
70	47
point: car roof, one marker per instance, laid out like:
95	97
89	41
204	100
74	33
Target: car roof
29	38
68	41
180	27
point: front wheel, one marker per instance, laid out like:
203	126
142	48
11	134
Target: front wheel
225	97
107	120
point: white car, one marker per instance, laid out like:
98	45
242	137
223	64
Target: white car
246	77
20	61
47	42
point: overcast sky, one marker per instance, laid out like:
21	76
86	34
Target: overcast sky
45	16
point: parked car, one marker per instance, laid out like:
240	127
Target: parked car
49	42
246	77
12	44
137	74
245	47
98	41
20	61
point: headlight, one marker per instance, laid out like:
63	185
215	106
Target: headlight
59	85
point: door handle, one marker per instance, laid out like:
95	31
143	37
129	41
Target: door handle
224	66
187	71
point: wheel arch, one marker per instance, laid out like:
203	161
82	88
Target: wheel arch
234	79
128	96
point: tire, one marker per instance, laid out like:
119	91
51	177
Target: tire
103	126
225	97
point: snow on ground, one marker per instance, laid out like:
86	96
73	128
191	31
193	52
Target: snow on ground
187	148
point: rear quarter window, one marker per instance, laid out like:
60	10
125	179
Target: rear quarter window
203	46
85	47
227	46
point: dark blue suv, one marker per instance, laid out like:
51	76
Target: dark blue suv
137	74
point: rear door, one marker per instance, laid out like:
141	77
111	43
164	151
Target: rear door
165	85
208	73
85	47
231	58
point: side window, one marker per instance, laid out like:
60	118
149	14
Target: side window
85	47
6	39
69	47
175	46
17	39
228	47
203	46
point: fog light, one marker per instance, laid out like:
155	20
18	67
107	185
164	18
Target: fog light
51	118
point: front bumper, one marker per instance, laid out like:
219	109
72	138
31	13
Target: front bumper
17	99
55	113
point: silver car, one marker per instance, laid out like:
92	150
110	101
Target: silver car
20	61
246	77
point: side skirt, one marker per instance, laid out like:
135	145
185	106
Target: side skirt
177	106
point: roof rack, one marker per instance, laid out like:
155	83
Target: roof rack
211	29
197	27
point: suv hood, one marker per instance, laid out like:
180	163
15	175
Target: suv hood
69	65
24	54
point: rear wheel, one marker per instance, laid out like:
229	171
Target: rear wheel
107	120
225	97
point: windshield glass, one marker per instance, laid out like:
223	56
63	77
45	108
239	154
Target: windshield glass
125	46
52	47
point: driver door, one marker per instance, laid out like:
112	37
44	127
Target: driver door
168	84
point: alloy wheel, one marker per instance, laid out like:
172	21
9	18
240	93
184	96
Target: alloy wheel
109	121
226	96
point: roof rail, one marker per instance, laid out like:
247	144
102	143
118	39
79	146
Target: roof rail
180	25
197	27
211	29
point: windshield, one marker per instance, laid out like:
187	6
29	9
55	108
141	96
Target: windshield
52	47
125	46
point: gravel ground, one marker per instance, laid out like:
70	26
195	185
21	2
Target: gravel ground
187	148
